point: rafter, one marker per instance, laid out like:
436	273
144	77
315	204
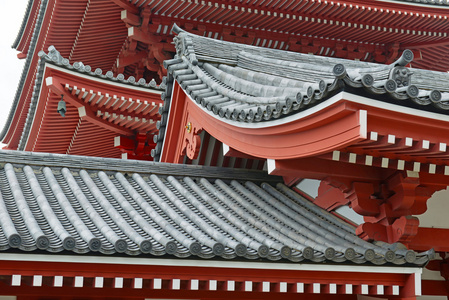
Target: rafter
56	87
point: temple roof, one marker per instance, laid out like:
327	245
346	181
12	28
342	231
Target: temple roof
54	57
248	87
96	99
244	83
84	204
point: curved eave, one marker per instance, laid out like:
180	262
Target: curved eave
26	28
129	109
343	122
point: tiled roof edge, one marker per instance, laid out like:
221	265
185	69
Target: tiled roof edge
26	68
23	25
135	166
153	213
162	123
242	83
54	57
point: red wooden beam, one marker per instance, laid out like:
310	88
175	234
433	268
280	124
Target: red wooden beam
427	238
126	60
87	114
130	18
137	34
317	168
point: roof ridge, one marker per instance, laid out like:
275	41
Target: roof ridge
135	166
54	57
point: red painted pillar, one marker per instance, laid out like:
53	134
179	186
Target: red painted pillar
410	289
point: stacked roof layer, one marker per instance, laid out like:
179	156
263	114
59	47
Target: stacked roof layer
242	84
53	57
251	84
80	204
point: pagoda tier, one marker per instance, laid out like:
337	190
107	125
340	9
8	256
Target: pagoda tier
188	216
365	30
68	25
376	135
102	115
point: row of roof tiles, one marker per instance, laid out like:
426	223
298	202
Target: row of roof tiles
57	206
53	56
251	84
242	83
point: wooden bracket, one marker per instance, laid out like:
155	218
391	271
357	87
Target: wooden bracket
135	147
386	206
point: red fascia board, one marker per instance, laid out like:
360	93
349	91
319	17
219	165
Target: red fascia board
345	121
175	128
102	85
320	132
49	268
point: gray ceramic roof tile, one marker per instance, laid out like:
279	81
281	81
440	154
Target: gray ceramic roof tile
245	83
54	57
68	203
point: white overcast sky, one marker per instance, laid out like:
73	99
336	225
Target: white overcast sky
10	66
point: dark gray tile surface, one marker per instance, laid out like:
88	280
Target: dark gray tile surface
71	203
253	84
